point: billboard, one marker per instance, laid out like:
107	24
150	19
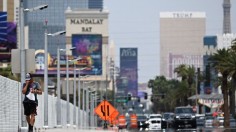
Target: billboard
7	37
87	47
128	71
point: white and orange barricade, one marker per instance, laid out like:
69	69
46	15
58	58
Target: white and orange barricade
121	122
133	121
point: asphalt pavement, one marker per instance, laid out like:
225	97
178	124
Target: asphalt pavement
77	130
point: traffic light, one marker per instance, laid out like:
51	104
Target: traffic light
129	97
138	99
145	95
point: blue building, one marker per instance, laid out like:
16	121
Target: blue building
54	17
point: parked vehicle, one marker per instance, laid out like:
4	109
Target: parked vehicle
184	118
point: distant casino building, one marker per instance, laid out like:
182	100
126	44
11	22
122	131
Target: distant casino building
225	40
181	40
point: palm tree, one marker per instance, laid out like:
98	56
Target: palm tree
219	62
181	71
187	73
231	67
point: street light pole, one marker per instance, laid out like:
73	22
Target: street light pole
85	99
74	93
87	108
67	92
79	90
58	88
58	80
79	122
83	104
22	47
89	111
22	56
105	97
46	77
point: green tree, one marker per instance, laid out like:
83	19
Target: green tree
164	95
231	67
6	72
219	62
187	89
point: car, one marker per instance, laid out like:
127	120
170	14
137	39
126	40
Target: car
167	120
154	124
155	116
200	120
185	117
209	120
142	121
232	122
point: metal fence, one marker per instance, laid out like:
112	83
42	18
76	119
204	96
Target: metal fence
11	105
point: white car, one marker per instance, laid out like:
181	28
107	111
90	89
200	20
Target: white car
209	121
155	116
154	124
232	122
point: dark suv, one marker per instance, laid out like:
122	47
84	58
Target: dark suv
184	118
142	121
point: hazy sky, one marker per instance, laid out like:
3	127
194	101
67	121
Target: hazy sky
136	23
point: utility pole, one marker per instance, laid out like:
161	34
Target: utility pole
112	70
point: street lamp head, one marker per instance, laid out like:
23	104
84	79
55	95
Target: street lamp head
57	33
62	50
41	7
78	58
72	48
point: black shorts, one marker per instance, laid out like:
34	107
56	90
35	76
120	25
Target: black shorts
30	108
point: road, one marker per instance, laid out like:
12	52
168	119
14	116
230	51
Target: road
76	130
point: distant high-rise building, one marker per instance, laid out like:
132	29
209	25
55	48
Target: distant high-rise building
95	4
55	17
181	40
226	23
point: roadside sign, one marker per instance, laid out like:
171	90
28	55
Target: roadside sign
122	100
105	110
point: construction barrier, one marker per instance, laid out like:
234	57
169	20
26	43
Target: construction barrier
133	121
121	122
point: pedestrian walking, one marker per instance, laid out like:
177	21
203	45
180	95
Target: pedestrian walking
30	89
